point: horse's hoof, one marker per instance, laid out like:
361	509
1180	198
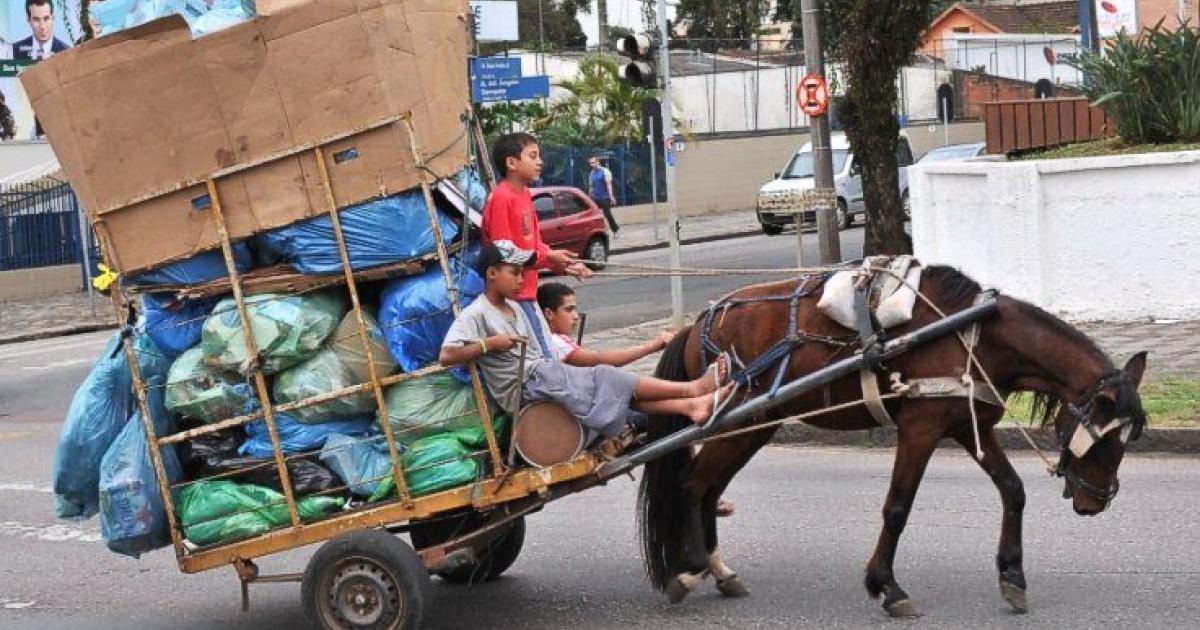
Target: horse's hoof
902	609
1015	596
676	591
733	587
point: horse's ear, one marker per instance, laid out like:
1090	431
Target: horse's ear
1136	368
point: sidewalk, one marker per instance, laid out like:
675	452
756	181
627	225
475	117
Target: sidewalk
639	236
68	314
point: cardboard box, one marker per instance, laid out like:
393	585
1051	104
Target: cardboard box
140	119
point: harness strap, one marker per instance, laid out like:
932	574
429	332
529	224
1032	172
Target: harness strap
872	399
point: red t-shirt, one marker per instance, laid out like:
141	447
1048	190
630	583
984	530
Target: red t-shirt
510	215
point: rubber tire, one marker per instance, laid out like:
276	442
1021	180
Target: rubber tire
595	263
844	220
388	552
494	559
772	230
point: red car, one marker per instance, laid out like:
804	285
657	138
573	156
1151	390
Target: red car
570	220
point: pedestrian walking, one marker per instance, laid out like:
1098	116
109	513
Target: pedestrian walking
601	191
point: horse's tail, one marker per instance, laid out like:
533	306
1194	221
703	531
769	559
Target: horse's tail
661	500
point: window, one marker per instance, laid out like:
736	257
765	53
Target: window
544	204
570	204
904	156
961	29
801	165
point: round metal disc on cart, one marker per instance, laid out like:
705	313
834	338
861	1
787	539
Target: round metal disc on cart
546	434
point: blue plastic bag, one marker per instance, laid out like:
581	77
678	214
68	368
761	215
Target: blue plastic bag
382	231
98	412
174	325
415	313
133	519
360	463
295	436
202	267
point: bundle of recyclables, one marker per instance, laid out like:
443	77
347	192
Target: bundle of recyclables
193	358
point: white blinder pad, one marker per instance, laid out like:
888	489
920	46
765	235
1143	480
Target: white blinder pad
1085	438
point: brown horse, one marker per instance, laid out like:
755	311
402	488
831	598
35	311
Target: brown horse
1021	347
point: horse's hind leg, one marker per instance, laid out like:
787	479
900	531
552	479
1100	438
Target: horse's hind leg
1012	497
917	442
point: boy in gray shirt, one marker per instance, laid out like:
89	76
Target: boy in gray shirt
493	328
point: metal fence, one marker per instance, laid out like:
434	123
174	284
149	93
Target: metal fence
40	226
630	166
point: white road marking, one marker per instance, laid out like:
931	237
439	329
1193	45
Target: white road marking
56	365
49	533
25	486
68	345
9	604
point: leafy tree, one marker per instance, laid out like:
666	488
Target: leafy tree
872	41
599	107
732	23
559	18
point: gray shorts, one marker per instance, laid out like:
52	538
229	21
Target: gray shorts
599	396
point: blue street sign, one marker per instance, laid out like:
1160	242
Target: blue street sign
516	89
495	68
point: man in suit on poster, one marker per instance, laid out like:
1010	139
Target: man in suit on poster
42	43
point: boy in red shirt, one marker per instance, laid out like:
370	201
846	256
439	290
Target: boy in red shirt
510	216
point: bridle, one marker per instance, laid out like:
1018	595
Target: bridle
1078	441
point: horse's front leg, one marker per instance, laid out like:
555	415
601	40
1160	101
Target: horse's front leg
1012	497
916	443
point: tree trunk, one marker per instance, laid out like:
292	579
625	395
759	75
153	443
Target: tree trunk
872	128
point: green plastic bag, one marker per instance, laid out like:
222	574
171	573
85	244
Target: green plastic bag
322	374
287	328
218	511
346	343
434	405
195	390
435	463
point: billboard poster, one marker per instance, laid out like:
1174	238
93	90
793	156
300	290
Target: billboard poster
32	30
1113	16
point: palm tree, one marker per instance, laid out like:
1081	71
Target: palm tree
599	108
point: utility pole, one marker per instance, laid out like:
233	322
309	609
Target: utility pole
828	239
602	24
668	122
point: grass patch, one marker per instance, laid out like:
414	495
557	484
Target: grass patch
1169	402
1108	146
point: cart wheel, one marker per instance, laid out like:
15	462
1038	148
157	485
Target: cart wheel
366	579
494	559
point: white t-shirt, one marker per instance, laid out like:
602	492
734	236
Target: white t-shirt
501	370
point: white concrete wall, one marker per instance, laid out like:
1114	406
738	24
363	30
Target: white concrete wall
1110	238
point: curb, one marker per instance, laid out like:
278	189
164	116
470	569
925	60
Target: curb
687	241
1178	440
57	332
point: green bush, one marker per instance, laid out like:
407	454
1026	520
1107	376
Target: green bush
1148	84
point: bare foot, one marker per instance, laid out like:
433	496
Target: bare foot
715	376
702	406
724	508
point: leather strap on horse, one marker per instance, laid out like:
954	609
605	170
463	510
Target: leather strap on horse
871	338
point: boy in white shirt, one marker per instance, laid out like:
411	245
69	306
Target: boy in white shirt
493	328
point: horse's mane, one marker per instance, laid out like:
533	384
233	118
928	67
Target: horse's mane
1047	406
951	288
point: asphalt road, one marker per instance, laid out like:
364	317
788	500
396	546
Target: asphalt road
615	302
807	521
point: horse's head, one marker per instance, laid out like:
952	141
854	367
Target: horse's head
1093	434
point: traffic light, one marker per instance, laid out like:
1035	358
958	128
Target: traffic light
639	72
